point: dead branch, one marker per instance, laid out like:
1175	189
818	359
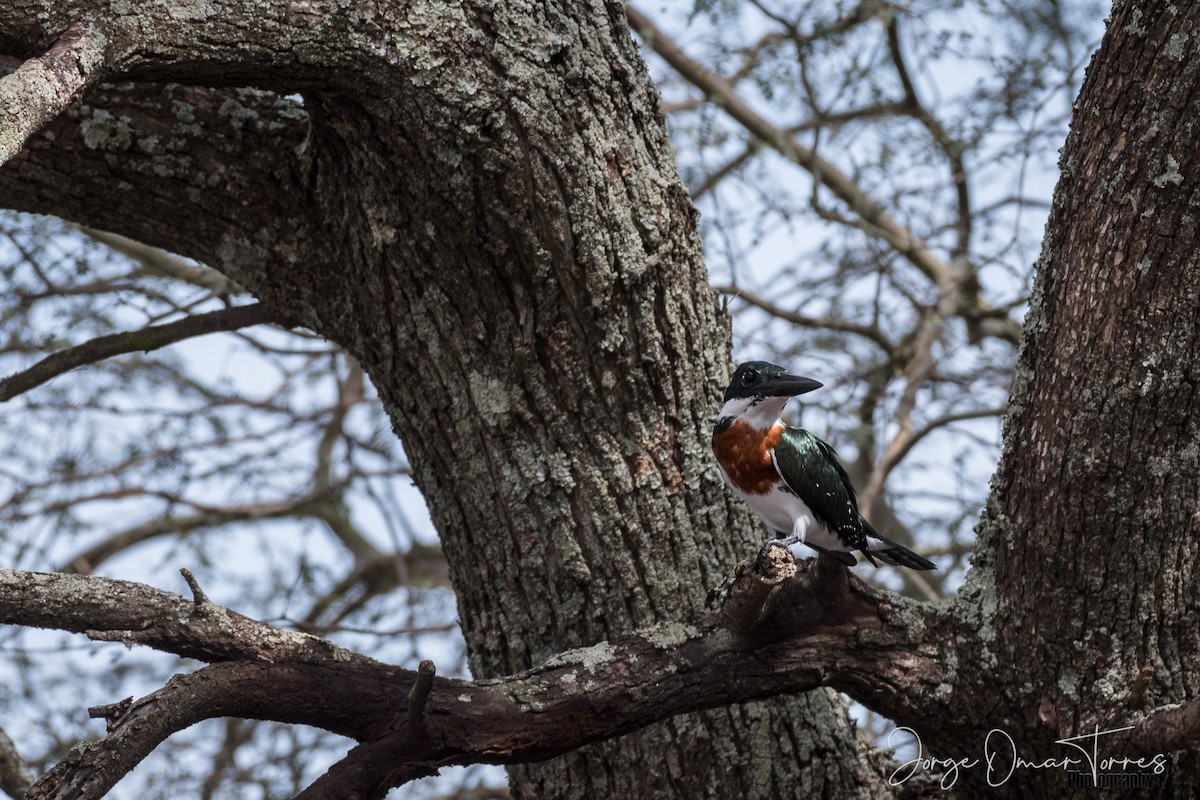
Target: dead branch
792	628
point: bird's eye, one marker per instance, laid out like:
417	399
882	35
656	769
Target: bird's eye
750	378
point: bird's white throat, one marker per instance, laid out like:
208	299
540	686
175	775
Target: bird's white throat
759	413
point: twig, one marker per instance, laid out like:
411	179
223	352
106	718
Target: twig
580	696
144	340
871	332
41	88
879	222
111	713
417	696
199	598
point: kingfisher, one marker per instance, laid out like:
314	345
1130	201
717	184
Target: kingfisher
789	477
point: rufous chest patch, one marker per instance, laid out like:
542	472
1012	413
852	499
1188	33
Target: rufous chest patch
745	455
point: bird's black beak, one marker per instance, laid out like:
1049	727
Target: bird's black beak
787	386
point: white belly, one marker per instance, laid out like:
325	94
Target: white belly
785	514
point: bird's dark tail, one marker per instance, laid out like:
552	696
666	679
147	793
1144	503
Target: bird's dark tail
895	554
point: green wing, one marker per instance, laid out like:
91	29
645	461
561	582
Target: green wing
811	469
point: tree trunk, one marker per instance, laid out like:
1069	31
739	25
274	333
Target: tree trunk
1090	535
480	204
487	215
550	356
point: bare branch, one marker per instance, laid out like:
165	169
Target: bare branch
873	218
85	561
900	448
861	13
145	340
372	576
817	626
827	323
879	222
157	261
41	88
951	149
917	372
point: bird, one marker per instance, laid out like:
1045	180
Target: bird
791	478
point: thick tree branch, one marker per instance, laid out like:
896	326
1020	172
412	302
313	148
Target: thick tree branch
819	627
121	611
908	437
41	88
166	160
783	631
334	698
144	340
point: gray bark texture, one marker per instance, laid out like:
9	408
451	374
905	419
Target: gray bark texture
479	202
1090	535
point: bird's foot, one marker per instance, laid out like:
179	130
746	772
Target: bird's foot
761	559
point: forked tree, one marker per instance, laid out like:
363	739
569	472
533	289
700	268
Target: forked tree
478	202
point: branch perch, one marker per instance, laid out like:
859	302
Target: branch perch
817	625
410	724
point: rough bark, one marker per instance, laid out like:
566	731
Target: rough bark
802	632
1090	533
478	202
481	205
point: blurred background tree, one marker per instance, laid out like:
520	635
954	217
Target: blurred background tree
873	179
